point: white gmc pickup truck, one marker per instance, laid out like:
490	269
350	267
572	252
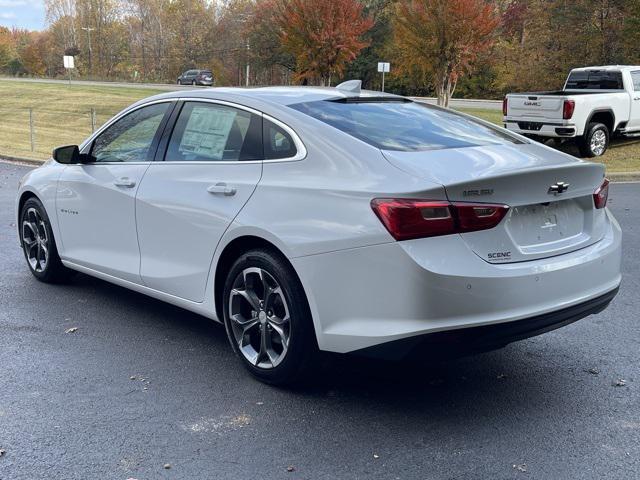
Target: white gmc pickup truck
595	104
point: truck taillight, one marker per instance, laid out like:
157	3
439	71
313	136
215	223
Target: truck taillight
601	195
505	105
567	109
407	219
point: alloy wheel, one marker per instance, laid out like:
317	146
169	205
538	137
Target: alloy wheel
598	142
260	320
35	240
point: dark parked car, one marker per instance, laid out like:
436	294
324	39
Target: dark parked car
196	77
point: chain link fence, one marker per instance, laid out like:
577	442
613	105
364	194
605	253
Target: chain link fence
32	133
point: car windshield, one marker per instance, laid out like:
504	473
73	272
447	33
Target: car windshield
392	124
594	80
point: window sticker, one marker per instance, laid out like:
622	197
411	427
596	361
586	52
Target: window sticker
206	132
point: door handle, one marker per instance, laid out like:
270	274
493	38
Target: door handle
221	188
125	182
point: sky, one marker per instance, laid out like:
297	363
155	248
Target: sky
27	14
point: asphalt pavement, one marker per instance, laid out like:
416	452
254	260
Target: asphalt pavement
141	385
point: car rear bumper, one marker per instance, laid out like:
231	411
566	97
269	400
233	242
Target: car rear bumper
378	294
555	130
488	337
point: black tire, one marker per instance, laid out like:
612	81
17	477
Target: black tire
586	144
193	83
302	352
53	271
179	82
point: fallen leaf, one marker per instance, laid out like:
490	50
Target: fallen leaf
593	371
167	466
501	376
259	403
291	468
375	455
71	330
2	451
521	468
132	377
620	382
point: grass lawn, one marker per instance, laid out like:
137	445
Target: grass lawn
62	115
623	155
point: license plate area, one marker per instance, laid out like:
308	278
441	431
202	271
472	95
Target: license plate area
546	226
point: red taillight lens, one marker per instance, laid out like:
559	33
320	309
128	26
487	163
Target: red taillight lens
601	195
407	219
505	105
567	109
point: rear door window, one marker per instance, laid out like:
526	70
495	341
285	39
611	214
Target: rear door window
209	132
635	76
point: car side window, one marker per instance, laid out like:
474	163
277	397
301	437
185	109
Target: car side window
635	76
277	142
210	132
129	139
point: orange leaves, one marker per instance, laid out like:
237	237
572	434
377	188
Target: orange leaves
443	38
322	36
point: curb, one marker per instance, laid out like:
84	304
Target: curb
21	161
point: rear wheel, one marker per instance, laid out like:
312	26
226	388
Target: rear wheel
193	83
267	318
38	244
595	140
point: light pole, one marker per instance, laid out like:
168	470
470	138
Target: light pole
89	30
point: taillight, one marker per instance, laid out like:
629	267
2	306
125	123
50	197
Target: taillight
407	218
505	104
601	195
567	109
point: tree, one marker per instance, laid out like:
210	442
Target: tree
322	36
441	39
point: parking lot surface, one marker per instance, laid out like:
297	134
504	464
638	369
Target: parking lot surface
145	390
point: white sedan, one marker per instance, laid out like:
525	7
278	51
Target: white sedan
327	219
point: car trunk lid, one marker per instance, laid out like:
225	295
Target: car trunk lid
540	222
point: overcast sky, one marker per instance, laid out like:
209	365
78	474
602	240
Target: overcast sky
22	13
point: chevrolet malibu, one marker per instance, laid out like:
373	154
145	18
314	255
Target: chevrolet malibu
327	219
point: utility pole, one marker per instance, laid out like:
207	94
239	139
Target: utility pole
247	71
89	30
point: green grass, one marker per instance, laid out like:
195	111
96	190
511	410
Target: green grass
62	115
622	156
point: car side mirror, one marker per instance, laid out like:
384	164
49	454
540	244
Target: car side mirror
68	154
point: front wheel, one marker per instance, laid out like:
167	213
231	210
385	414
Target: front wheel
193	83
595	140
267	318
38	244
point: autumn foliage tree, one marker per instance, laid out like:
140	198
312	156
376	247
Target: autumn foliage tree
323	37
441	39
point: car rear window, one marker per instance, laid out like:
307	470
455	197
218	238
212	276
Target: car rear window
403	125
594	80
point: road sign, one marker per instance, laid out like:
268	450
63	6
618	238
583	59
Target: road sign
68	61
383	67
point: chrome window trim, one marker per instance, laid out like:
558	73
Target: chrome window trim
301	150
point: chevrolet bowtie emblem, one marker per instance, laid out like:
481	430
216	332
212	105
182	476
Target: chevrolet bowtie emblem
558	188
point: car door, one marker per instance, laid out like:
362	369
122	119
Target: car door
634	117
96	200
212	162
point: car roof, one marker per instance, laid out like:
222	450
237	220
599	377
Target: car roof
608	67
274	95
